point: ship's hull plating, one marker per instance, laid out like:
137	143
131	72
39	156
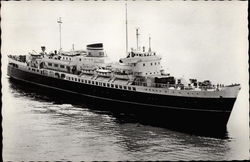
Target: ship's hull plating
208	113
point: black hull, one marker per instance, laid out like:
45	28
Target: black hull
210	114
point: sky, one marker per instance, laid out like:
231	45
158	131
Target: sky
203	40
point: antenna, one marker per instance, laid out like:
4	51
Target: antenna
60	22
126	31
149	42
137	39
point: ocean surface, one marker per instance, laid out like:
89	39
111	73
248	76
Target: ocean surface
38	126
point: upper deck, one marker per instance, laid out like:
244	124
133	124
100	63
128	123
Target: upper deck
109	82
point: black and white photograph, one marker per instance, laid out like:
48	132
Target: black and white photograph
125	80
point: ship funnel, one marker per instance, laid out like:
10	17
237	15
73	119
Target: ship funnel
95	50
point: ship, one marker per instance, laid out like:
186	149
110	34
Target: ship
136	83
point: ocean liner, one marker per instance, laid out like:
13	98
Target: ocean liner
136	83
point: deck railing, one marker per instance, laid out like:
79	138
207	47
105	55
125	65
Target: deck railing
176	86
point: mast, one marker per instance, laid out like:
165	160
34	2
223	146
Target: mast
137	39
60	22
126	32
149	46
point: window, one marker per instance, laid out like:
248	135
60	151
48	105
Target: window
116	86
96	83
89	81
151	63
93	82
120	86
133	88
75	79
112	85
62	66
143	64
55	65
79	59
104	84
125	87
129	88
49	64
108	85
155	63
63	76
37	70
78	80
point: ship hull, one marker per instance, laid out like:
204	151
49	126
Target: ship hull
181	112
